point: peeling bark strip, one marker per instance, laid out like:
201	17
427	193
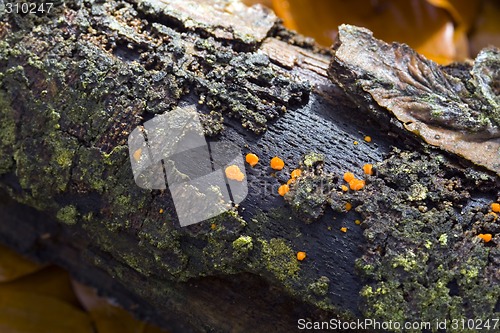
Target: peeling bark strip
458	114
230	20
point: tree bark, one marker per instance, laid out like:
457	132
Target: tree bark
75	82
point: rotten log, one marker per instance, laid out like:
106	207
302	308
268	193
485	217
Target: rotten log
77	81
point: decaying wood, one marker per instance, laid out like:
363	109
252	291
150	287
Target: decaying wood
458	114
74	83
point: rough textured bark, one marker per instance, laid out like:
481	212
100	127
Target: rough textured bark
74	84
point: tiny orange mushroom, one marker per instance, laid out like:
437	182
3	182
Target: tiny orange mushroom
356	184
296	173
301	255
233	172
283	189
137	154
252	159
357	222
161	211
485	237
348	176
368	169
277	163
495	207
344	188
291	180
348	206
368	138
343	229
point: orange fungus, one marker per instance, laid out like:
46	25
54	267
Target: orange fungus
368	139
137	154
348	206
252	159
495	207
368	169
283	189
343	229
356	184
301	255
296	173
233	172
485	237
348	176
344	188
277	163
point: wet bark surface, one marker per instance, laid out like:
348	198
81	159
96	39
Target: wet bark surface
74	83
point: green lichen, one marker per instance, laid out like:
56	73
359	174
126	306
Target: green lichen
279	259
243	244
423	264
320	286
67	215
312	159
7	134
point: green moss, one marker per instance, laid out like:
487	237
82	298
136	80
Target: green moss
67	215
279	259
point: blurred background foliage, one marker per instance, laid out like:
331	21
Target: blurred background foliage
44	298
442	30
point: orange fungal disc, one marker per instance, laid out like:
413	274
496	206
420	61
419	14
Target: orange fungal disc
348	176
277	163
356	184
283	189
233	172
296	173
252	159
485	237
368	169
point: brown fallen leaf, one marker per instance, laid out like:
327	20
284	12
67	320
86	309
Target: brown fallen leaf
459	114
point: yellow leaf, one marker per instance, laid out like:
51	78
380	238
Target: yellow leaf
109	318
436	28
51	281
13	265
22	312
